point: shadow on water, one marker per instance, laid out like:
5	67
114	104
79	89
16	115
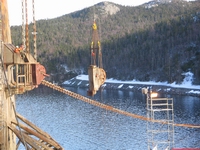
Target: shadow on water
77	125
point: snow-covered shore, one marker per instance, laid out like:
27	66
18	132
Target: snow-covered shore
186	88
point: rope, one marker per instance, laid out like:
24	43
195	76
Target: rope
107	107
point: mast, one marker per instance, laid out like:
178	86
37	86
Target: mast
6	102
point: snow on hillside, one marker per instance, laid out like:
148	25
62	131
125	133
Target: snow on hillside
187	83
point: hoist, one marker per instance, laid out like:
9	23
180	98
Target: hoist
23	71
96	73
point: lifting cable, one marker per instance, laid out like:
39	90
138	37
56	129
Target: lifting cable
107	107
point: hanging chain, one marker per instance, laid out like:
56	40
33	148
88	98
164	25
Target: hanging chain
107	107
23	26
99	45
26	32
34	31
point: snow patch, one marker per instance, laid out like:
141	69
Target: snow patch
187	82
120	86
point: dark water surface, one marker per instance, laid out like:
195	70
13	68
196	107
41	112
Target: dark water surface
77	125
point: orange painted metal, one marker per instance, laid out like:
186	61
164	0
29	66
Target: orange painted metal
39	73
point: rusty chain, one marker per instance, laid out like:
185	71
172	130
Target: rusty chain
107	107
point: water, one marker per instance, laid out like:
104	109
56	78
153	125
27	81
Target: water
76	125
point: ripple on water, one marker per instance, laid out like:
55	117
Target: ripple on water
77	125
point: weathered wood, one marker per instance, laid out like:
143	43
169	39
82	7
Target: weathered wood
18	143
32	142
38	130
17	133
48	140
33	126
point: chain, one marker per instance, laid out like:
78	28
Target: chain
26	32
34	31
107	107
23	26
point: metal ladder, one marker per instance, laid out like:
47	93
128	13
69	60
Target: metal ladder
160	136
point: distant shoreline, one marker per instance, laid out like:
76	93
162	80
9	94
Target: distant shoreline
74	82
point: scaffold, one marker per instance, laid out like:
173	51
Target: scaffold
160	136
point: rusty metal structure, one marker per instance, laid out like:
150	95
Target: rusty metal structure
96	73
19	72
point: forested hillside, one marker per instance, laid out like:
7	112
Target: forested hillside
157	42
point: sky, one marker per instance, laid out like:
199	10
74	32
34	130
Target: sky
47	9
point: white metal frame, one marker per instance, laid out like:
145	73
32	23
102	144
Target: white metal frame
160	127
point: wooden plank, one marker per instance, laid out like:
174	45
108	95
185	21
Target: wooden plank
38	130
40	136
33	126
32	142
17	133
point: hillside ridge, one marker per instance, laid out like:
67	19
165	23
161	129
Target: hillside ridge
158	43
